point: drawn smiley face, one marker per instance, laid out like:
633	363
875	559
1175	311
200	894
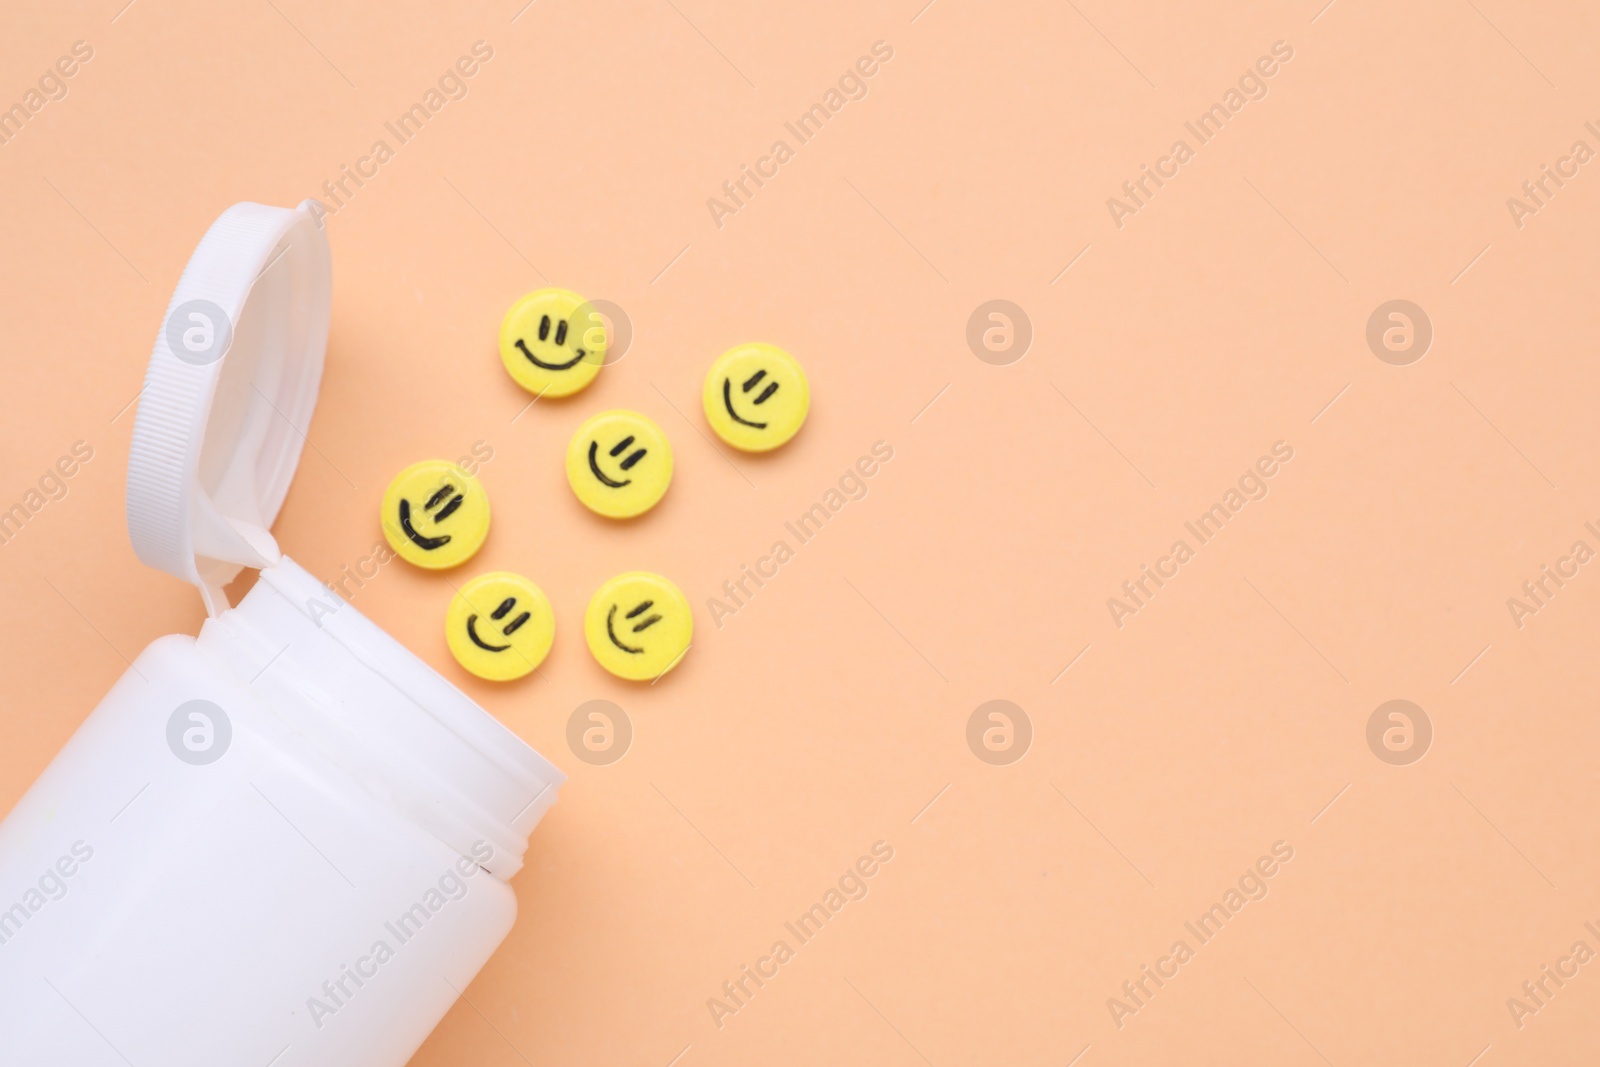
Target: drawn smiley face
638	626
619	464
435	515
756	397
499	626
553	342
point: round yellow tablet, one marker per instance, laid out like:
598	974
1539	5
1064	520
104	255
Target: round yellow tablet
553	342
619	464
756	397
638	626
500	626
435	514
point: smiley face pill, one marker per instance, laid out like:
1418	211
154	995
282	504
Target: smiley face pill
500	626
619	464
638	626
435	515
756	397
552	342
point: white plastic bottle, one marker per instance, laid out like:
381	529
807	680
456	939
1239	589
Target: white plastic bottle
285	841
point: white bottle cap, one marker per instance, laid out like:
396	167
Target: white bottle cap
228	397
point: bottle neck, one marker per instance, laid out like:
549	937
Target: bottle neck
412	739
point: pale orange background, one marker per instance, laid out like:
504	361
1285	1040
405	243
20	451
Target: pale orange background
827	714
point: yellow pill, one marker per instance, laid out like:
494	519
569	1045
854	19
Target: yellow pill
553	342
638	626
435	514
619	464
756	397
500	626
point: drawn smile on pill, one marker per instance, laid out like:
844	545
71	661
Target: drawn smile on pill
611	631
428	544
749	384
627	464
560	340
499	613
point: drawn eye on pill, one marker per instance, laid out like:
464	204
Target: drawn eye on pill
756	397
619	464
434	514
507	641
551	343
638	626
